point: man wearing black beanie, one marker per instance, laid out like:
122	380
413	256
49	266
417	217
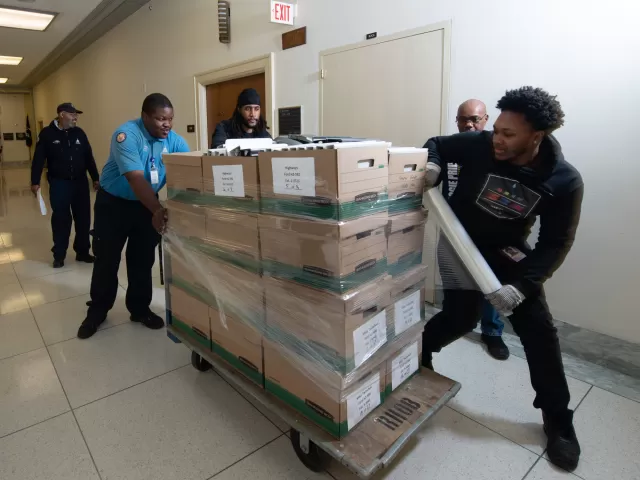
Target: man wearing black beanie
246	122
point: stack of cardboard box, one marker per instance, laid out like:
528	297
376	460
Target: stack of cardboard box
319	297
215	292
407	170
325	247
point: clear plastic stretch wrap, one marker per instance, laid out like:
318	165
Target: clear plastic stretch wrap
319	301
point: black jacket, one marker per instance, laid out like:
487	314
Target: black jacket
223	133
497	203
67	153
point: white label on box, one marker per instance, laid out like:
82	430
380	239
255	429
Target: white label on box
407	312
368	338
363	401
404	365
294	176
228	180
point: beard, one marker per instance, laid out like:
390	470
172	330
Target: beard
247	124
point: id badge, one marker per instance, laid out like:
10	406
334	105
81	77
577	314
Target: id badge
154	172
513	253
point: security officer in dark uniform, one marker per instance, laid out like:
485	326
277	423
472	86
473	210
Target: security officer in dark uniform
246	122
127	210
508	178
66	150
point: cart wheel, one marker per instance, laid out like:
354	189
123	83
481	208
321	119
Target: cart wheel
313	457
199	363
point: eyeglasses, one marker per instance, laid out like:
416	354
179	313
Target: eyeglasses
475	119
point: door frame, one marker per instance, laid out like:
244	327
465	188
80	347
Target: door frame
263	64
446	60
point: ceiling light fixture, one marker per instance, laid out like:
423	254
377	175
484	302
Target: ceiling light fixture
4	60
3	80
25	19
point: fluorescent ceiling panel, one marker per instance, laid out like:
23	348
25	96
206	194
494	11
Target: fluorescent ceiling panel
4	60
3	80
25	19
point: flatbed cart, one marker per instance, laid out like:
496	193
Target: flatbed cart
372	444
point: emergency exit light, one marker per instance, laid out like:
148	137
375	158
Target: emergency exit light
25	19
283	13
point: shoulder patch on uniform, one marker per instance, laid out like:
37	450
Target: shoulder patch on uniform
121	137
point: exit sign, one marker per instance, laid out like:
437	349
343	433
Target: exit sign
282	12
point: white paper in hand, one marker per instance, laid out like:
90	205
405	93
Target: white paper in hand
43	206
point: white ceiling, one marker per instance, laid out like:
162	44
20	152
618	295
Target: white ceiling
35	46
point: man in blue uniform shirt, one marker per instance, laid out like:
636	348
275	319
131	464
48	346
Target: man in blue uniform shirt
127	210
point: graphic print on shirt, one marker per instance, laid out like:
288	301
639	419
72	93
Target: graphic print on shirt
453	171
506	198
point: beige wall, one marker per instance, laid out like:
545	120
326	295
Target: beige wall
573	49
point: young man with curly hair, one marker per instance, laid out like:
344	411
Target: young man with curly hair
509	177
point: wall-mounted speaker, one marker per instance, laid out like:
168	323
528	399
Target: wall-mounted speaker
224	21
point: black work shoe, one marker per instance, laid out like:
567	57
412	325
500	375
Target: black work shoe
150	320
88	328
57	263
496	346
85	258
563	448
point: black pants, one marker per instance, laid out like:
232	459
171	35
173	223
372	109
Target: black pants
118	221
70	201
531	321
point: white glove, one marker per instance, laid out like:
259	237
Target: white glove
506	299
432	175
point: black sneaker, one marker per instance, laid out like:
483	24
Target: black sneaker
57	263
85	258
150	320
496	346
563	448
88	328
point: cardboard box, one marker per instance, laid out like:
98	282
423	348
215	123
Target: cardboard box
407	308
190	316
233	237
335	182
330	256
406	240
407	170
217	283
184	175
322	396
238	343
338	332
186	221
408	279
187	270
231	183
405	363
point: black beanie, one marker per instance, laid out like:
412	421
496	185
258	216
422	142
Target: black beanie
249	96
